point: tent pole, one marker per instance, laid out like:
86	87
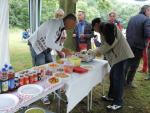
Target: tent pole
34	14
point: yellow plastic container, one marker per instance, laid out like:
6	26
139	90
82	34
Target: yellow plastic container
35	110
75	61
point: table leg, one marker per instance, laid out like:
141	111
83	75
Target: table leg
88	102
58	108
103	90
91	99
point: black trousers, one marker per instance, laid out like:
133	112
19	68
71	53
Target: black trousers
117	80
132	64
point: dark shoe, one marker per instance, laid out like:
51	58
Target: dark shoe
114	107
105	98
131	85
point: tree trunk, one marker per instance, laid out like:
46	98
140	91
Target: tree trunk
69	6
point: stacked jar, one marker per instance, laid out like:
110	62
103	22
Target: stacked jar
7	79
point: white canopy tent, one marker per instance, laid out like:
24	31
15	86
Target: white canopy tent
138	2
4	27
35	13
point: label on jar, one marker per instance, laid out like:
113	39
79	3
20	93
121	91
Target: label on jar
21	81
11	84
16	82
4	86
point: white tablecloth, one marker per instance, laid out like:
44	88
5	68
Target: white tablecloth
77	86
29	100
80	85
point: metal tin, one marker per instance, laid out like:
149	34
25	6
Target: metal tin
21	81
31	78
26	79
16	82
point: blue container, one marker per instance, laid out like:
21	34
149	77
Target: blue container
11	84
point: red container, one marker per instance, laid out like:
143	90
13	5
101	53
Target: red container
31	78
21	81
35	77
26	79
82	46
68	68
79	69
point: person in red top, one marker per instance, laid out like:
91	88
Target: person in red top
112	19
148	59
145	58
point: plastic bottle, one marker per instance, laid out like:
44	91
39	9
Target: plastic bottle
4	80
11	78
6	66
4	74
10	72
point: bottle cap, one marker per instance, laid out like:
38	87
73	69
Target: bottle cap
6	65
10	67
3	70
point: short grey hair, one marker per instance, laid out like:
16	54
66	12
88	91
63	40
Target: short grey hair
59	13
143	9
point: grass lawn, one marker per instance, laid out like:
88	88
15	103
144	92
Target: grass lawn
135	100
20	56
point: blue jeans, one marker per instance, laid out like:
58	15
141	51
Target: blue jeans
42	58
117	80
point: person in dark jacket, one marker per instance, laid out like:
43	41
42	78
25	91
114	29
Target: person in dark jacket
82	32
138	30
113	19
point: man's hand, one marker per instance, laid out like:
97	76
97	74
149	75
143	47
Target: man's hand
67	52
74	35
61	54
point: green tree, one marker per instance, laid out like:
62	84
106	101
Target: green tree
48	9
125	12
18	13
94	8
69	6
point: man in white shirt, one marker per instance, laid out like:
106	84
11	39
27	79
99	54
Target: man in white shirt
50	35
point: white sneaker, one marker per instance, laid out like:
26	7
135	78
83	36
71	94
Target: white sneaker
114	107
45	100
106	98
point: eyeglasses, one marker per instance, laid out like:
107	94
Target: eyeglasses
112	15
